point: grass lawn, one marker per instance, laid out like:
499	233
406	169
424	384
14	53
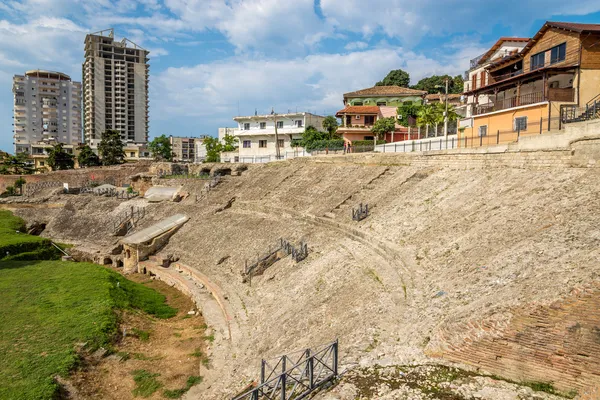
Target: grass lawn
15	244
48	308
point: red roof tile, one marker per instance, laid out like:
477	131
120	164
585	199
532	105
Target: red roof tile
385	91
359	110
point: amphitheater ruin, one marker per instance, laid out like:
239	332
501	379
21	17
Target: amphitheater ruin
486	260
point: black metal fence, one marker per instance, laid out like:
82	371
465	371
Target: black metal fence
361	212
298	254
252	266
128	218
591	110
295	376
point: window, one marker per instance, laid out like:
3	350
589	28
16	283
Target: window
357	103
262	143
280	143
537	61
382	103
483	130
299	123
279	124
369	119
247	144
247	126
558	53
521	124
41	163
131	154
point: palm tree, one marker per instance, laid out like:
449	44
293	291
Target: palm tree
427	116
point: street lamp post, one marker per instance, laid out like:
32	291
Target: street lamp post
446	113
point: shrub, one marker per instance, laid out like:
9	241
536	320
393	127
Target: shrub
325	144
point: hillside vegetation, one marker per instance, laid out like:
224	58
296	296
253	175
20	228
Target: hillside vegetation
52	309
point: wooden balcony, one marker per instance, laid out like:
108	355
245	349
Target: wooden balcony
525	99
562	94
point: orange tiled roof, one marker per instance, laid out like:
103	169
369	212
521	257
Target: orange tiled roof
358	110
385	91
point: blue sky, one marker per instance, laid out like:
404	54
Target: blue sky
211	58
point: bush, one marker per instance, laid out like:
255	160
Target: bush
325	144
366	142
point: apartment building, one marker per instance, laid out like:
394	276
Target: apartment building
47	109
525	91
257	133
184	148
115	88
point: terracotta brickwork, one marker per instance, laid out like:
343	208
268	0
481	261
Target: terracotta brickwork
559	343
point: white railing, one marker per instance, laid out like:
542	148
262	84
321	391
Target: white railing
429	144
264	158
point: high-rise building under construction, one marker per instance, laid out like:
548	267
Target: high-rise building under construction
115	88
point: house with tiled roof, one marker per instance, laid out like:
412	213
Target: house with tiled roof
383	96
528	91
364	107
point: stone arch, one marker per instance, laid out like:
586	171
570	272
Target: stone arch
119	263
107	261
127	253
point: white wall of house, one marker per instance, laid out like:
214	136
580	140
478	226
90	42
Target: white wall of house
256	134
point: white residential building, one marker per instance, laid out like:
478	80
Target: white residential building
477	76
256	133
47	109
115	88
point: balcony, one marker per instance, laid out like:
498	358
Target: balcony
523	100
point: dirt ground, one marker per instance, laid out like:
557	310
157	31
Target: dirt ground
175	349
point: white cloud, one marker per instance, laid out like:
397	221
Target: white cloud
411	20
50	43
315	82
356	46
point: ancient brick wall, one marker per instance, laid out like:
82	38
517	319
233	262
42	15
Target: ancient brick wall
75	177
559	343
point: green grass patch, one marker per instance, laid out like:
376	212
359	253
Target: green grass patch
15	244
197	353
47	308
144	336
210	338
145	383
177	393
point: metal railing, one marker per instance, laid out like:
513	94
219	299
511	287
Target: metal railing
522	100
298	254
295	376
129	218
573	113
360	213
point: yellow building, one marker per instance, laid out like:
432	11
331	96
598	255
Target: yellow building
529	91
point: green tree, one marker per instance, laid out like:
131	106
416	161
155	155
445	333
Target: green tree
331	125
87	157
229	143
161	149
427	117
19	185
311	135
111	148
395	77
437	84
383	126
11	191
213	148
59	159
407	113
18	164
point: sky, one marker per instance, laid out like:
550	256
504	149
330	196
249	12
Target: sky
211	60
